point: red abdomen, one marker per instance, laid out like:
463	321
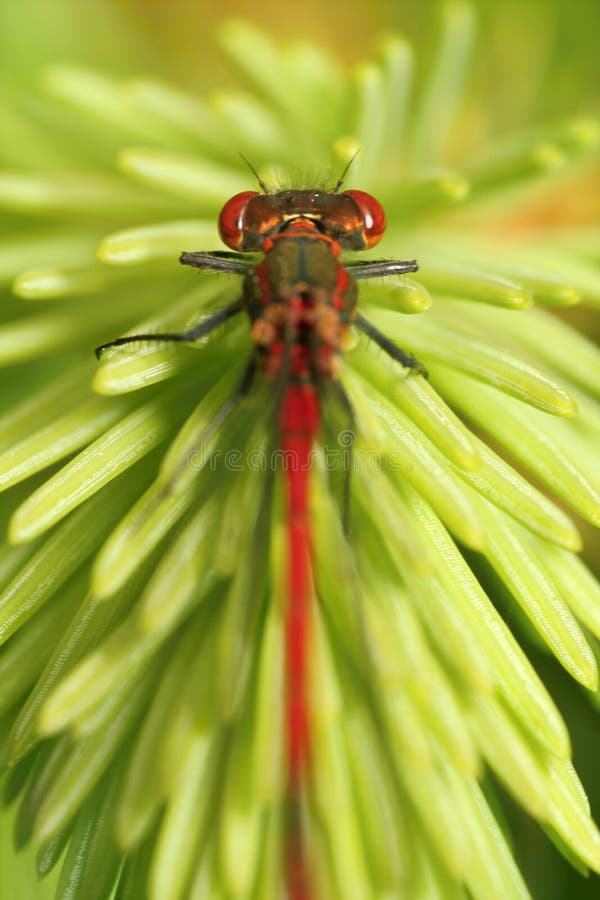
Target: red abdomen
299	425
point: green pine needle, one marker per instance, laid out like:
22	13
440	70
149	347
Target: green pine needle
143	577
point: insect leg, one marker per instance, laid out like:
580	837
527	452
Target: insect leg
378	268
405	359
347	439
217	261
194	334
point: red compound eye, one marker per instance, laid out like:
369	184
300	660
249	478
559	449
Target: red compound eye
231	220
372	215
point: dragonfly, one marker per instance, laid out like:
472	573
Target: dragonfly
301	301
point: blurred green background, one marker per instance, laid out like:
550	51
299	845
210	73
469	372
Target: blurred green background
540	57
537	61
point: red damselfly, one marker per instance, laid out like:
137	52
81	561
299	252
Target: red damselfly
300	300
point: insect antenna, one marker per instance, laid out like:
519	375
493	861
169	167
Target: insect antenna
261	183
342	177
